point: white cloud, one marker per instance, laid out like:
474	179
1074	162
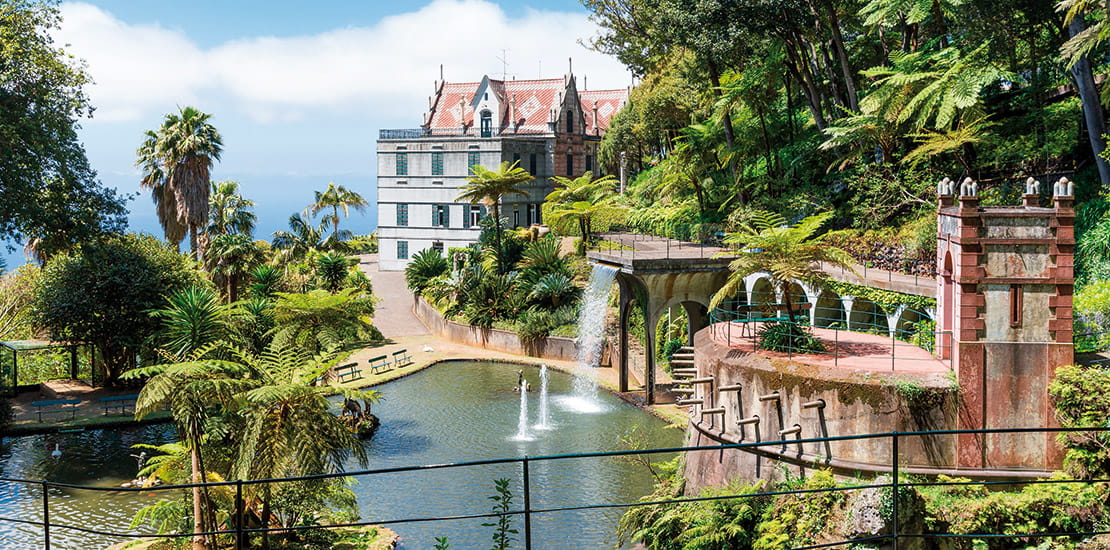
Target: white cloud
144	69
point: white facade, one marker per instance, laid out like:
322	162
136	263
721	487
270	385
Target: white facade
417	209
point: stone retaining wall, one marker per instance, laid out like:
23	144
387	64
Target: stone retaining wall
552	347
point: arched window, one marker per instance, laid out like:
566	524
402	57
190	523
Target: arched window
487	124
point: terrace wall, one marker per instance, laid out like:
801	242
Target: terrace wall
553	347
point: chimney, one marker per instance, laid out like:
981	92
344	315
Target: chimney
512	111
597	127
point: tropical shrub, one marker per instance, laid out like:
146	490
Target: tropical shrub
424	267
788	337
1082	399
331	270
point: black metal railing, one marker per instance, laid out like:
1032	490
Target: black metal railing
403	133
237	532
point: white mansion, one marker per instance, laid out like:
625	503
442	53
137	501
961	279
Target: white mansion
549	126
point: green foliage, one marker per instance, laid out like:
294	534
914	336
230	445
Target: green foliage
584	203
886	196
1082	399
1092	250
786	252
266	281
1043	508
335	198
888	300
320	321
331	270
489	187
192	319
788	337
1092	314
425	266
441	543
175	161
49	195
924	334
502	505
553	289
797	519
102	292
16	293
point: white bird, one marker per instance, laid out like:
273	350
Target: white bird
57	453
428	348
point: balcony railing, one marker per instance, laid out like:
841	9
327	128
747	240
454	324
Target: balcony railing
403	133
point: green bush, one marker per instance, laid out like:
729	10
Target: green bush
425	266
788	337
1082	399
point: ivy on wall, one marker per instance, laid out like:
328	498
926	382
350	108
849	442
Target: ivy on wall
887	300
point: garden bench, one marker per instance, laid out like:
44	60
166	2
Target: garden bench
118	403
56	406
381	362
349	370
402	358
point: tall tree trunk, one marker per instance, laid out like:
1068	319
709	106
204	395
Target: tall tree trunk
497	236
199	542
193	243
797	68
715	78
942	27
842	57
1092	109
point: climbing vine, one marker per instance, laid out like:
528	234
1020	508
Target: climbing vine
887	300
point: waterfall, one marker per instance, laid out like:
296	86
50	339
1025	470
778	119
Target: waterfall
591	337
522	422
545	416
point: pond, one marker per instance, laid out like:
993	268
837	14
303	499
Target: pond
454	412
461	411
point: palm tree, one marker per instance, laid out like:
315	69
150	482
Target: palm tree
787	252
154	178
581	201
301	240
193	390
230	256
175	160
228	211
487	187
289	428
334	198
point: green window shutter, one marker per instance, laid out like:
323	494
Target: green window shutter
437	164
402	164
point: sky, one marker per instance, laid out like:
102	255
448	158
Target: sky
299	90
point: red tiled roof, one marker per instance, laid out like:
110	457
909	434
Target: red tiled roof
608	102
535	99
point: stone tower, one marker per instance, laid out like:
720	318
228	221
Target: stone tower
1004	317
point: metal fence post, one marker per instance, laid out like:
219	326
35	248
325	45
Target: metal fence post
527	506
239	514
894	496
45	516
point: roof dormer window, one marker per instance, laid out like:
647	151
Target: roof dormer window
487	124
570	122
